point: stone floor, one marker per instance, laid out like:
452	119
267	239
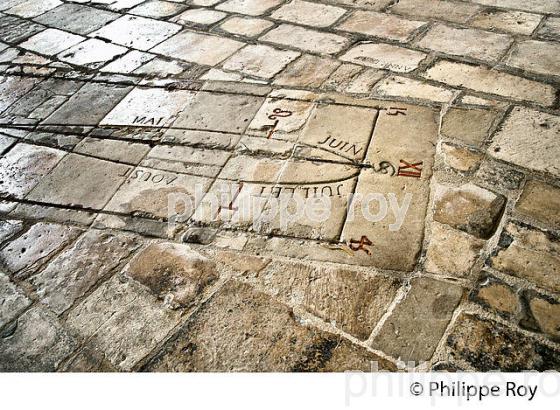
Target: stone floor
111	108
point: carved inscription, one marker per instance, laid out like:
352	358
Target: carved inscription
149	176
360	245
277	113
409	169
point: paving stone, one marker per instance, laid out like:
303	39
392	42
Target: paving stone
9	228
415	132
6	142
219	112
89	105
121	151
157	9
541	202
536	56
137	32
451	252
366	4
307	71
174	273
384	56
496	175
491	81
416	325
200	16
469	125
128	63
546	314
364	82
287	127
122	320
516	22
349	299
406	87
24	166
14	29
260	61
76	18
308	14
249	7
14	301
490	346
80	181
497	295
529	254
483	45
537	6
72	273
32	8
435	9
92	53
13	88
246	26
252	332
87	360
159	67
51	41
341	78
461	159
381	25
35	246
38	344
551	28
149	107
469	208
147	192
528	138
198	48
305	39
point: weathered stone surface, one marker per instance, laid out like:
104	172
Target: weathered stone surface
406	87
471	126
536	56
496	295
137	32
249	7
348	299
9	228
381	25
547	315
175	273
76	18
540	202
80	181
537	6
252	332
384	56
308	14
87	360
123	321
35	246
469	208
13	88
451	252
511	21
89	105
37	343
438	9
459	158
51	41
200	16
246	26
307	71
24	166
489	81
71	274
496	175
490	346
417	324
528	138
219	112
14	301
478	44
260	61
529	254
157	9
122	151
551	28
91	53
364	82
306	39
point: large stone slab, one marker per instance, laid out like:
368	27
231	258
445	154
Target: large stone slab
252	332
529	138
